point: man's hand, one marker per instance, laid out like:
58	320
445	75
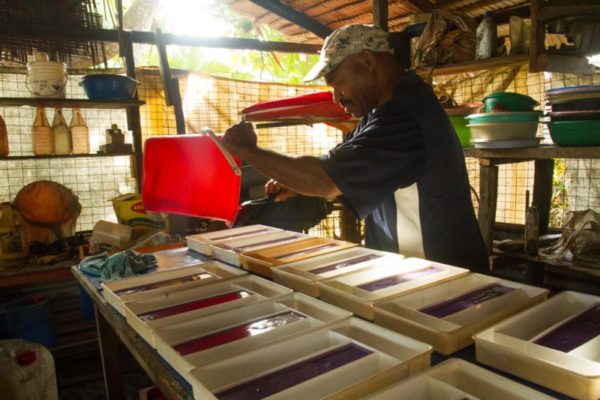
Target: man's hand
239	138
277	191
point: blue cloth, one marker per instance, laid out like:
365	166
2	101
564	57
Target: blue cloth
117	266
403	170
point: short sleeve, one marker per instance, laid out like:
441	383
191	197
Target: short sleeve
385	153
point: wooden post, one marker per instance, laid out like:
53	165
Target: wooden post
538	36
380	14
109	350
488	194
542	191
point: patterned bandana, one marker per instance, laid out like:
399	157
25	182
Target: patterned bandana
346	41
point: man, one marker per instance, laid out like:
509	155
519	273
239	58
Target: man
401	168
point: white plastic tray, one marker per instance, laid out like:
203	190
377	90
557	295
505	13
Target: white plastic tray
456	379
257	289
205	273
345	291
454	331
201	242
509	346
303	275
316	315
393	357
262	261
230	250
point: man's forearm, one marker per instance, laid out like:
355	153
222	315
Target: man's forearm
303	175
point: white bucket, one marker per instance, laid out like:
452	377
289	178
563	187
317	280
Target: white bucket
47	79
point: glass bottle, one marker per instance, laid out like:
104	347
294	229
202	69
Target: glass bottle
79	133
62	137
3	138
42	134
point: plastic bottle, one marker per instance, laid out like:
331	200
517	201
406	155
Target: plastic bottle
79	133
43	136
62	137
3	138
486	37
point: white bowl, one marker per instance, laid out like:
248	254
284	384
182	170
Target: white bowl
504	130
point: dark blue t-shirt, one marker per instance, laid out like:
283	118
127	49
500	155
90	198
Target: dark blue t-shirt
403	170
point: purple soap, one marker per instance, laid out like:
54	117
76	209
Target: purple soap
343	264
240	234
240	249
467	300
574	332
397	279
168	282
307	251
294	374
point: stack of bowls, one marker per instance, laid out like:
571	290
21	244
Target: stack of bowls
575	115
507	121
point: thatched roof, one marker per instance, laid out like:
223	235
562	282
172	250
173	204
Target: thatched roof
303	21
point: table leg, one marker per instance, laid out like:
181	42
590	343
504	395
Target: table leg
109	352
488	194
542	191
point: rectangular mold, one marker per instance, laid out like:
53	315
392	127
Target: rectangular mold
202	242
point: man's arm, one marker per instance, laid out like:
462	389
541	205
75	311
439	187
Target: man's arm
303	175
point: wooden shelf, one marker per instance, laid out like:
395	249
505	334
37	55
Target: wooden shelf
535	153
34	157
69	103
475	65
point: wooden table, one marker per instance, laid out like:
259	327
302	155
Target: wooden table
27	274
543	156
113	329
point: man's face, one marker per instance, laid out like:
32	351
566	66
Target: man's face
353	84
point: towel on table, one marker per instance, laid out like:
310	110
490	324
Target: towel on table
119	265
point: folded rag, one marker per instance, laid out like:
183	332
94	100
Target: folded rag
119	265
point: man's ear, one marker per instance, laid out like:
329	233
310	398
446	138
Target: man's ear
368	58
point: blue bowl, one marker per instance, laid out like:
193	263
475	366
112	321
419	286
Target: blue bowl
109	87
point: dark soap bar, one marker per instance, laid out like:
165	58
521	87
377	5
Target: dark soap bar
467	300
294	374
168	282
575	332
397	279
343	264
194	305
230	236
307	251
250	328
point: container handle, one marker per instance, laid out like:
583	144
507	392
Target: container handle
208	132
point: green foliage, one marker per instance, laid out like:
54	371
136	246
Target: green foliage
560	201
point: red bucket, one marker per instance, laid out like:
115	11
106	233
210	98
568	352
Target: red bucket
190	175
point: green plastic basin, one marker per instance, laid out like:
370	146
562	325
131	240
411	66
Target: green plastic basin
575	133
498	117
459	122
507	101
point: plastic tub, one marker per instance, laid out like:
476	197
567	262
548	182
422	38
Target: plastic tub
462	130
358	291
205	340
230	250
575	133
148	285
504	130
458	379
386	358
511	346
201	242
303	276
507	101
446	315
507	117
176	306
28	318
263	260
101	87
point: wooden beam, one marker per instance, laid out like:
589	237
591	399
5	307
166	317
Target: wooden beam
295	16
142	37
553	12
542	192
421	5
380	14
538	36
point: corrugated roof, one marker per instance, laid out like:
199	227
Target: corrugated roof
336	13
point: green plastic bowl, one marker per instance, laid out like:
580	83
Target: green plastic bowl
459	123
575	133
497	117
507	101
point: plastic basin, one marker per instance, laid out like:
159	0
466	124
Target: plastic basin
462	130
575	133
507	101
497	117
102	87
504	130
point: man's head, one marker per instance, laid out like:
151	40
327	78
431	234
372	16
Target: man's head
350	61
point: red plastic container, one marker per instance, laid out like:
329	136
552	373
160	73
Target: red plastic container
189	175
